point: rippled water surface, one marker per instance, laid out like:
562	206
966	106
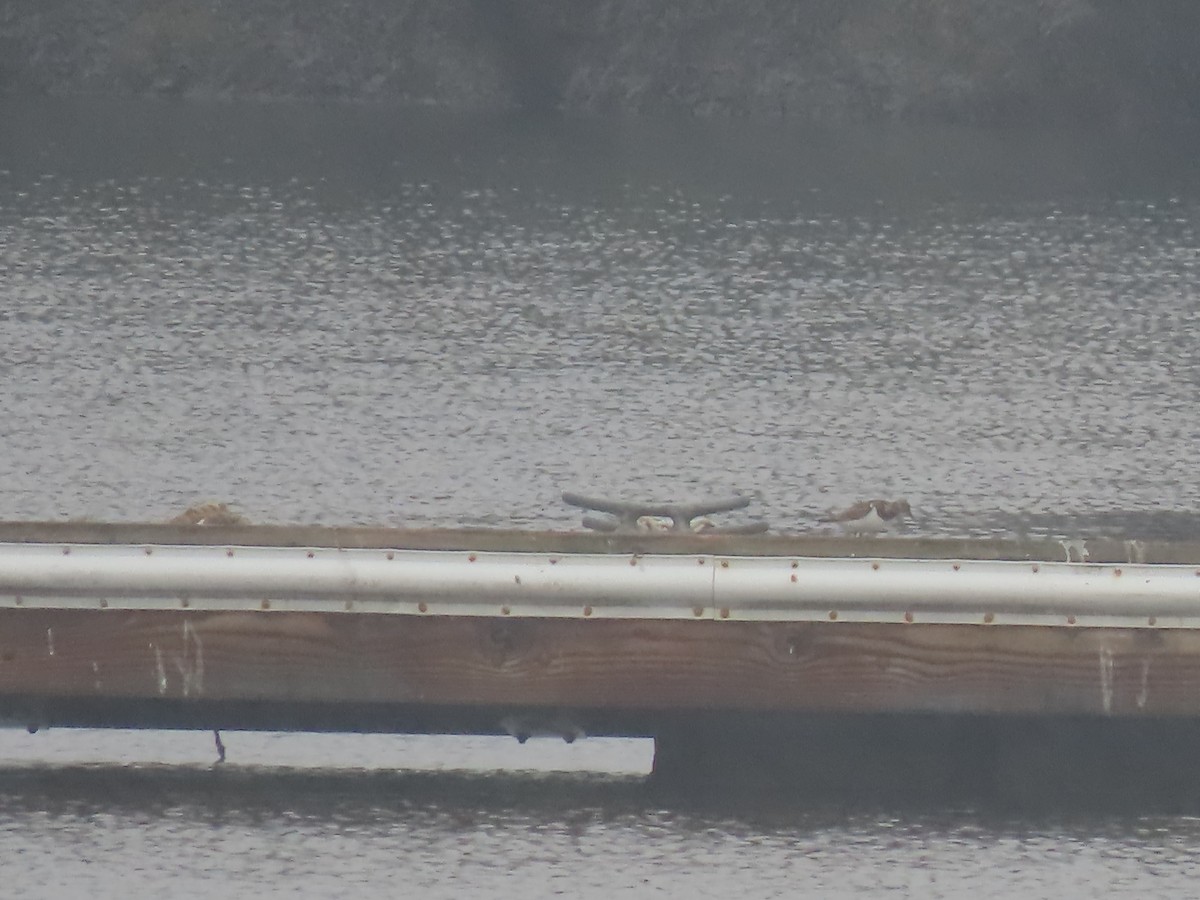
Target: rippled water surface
345	316
373	316
299	829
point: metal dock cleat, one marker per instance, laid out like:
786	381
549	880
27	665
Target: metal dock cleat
628	517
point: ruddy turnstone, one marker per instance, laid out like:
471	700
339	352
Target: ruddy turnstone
870	516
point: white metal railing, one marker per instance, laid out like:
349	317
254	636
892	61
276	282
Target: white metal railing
527	584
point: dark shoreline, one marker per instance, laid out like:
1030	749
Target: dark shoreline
1096	62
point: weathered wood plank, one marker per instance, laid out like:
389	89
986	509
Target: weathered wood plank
621	667
815	545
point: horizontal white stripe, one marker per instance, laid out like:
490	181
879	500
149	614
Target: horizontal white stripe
599	585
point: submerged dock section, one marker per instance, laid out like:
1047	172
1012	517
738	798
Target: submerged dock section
733	651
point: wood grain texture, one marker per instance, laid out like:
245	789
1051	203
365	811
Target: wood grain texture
815	545
629	667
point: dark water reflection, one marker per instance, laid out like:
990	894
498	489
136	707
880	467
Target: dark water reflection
319	833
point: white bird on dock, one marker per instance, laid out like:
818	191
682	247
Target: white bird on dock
870	516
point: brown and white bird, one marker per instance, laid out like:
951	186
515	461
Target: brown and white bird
870	516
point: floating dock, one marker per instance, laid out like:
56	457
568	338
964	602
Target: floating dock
704	642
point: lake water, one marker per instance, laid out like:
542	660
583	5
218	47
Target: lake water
369	315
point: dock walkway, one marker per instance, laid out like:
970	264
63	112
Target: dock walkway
264	627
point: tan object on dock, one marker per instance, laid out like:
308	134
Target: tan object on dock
209	514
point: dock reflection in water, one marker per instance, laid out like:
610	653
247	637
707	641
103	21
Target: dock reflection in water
307	830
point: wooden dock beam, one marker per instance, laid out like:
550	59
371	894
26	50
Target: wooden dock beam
613	675
741	656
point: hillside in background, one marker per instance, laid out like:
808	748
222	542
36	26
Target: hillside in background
1100	61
